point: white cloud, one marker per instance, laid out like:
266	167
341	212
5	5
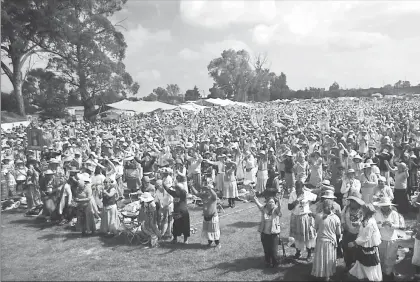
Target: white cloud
216	48
219	14
148	75
188	54
138	37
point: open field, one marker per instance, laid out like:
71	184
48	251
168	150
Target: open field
32	250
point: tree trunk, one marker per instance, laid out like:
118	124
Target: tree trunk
17	86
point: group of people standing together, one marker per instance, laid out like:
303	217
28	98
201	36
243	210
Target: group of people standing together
342	184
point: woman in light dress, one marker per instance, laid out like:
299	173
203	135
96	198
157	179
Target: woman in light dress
301	167
230	188
367	243
315	169
110	222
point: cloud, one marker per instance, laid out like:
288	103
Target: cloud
219	14
188	54
214	49
136	38
148	75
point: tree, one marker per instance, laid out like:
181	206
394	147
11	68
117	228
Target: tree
216	92
334	87
22	23
47	91
150	97
232	73
161	94
173	89
192	95
278	86
87	50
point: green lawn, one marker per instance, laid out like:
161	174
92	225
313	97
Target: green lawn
32	250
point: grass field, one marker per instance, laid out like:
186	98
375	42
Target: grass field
32	250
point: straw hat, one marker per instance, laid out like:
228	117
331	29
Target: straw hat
384	202
351	171
328	194
48	172
357	197
357	157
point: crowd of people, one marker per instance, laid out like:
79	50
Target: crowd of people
348	171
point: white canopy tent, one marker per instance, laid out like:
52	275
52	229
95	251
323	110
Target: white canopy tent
191	107
141	106
222	103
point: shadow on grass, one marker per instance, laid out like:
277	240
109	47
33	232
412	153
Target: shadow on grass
245	264
66	236
33	222
243	224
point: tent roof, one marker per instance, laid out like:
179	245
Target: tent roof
191	107
141	106
224	102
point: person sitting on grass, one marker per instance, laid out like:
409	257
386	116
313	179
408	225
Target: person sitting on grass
211	228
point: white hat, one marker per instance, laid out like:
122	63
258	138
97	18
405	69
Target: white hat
384	202
146	197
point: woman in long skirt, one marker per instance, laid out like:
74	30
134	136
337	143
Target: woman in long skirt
367	255
262	174
149	219
181	215
230	188
240	173
302	225
327	225
249	167
85	213
220	178
110	222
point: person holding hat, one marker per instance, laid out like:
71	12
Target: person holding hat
350	185
400	187
351	219
368	182
194	168
109	217
388	221
328	227
301	221
230	187
181	215
148	219
211	228
367	264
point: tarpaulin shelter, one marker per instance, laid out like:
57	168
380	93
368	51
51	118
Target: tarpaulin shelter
140	106
191	107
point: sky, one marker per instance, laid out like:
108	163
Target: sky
356	43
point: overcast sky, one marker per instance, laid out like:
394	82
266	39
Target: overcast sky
356	43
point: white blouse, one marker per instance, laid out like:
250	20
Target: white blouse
304	201
369	235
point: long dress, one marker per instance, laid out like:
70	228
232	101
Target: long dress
110	222
249	170
262	176
230	187
325	257
97	187
315	172
367	264
181	215
240	172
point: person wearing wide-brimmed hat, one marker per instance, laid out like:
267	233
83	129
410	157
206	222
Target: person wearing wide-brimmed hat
350	185
357	165
327	192
351	218
369	181
388	221
367	264
148	219
315	169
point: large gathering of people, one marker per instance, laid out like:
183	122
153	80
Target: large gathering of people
347	172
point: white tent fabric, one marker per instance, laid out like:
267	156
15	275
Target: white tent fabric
223	103
191	107
141	106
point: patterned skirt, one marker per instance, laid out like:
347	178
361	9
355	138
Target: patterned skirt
325	259
211	229
367	265
302	229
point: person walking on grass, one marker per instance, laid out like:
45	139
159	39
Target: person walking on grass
270	228
211	228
